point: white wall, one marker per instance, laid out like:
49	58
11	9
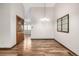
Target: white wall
8	23
4	25
41	29
71	39
16	9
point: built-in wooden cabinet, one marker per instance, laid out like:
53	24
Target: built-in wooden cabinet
19	29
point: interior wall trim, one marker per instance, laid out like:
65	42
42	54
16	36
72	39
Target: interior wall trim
11	47
42	38
72	53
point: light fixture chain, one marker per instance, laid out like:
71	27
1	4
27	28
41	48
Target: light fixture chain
44	9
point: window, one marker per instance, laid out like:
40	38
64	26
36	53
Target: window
63	24
27	27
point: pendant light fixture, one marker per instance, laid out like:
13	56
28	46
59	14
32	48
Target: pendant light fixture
44	17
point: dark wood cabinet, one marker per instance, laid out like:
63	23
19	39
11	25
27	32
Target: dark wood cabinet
20	37
19	29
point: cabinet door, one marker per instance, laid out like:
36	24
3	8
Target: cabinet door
19	29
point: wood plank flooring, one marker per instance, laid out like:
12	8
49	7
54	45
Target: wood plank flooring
37	48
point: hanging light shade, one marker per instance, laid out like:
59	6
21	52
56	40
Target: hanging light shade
44	17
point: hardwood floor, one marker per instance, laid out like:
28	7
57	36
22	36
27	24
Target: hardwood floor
36	48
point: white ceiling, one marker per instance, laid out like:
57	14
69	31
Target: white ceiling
38	4
28	6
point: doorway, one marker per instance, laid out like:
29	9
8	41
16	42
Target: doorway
19	29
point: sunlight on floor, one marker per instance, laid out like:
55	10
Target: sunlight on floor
27	43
